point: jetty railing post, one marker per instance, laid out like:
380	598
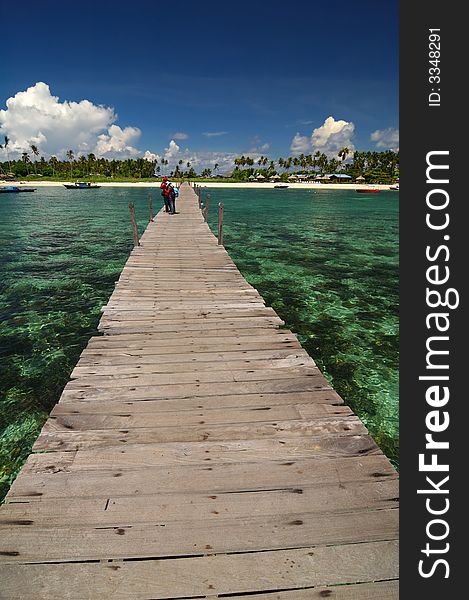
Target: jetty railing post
198	196
150	208
207	206
134	223
220	223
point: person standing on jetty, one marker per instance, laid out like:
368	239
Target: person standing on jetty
163	186
169	193
166	193
175	195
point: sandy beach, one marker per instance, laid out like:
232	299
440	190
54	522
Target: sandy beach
211	184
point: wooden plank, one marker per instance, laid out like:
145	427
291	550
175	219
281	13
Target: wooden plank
129	312
296	384
82	422
85	367
260	340
56	436
204	575
183	327
129	510
76	420
201	376
219	478
382	590
322	402
141	370
207	453
163	538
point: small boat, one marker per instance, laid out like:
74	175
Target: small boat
81	185
12	189
281	185
394	187
368	191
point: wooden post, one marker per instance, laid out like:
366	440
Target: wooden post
220	223
134	223
150	208
199	200
207	206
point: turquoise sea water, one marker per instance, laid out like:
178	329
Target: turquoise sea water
327	262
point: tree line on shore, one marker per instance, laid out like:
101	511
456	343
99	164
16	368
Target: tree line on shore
373	166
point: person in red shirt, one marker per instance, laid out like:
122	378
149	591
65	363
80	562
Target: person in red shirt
165	193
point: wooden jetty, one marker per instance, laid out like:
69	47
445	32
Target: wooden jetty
198	452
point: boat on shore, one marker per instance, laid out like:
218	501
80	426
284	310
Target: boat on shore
394	187
13	189
81	185
281	186
368	191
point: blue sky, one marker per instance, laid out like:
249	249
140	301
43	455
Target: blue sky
229	78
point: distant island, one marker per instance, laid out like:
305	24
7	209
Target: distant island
365	167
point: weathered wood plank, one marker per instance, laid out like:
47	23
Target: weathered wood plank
83	422
129	510
205	575
57	436
175	390
202	376
75	420
206	453
139	370
322	402
130	360
219	478
35	544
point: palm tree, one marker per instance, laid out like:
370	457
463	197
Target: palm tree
83	162
215	167
5	145
70	156
25	159
91	160
53	161
343	153
322	162
35	151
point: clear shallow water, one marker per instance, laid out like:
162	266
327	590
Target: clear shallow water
327	262
60	253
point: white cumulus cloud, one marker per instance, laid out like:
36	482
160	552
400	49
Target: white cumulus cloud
35	116
329	138
332	136
118	142
300	144
171	151
151	156
386	138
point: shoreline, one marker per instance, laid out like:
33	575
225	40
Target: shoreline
214	184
